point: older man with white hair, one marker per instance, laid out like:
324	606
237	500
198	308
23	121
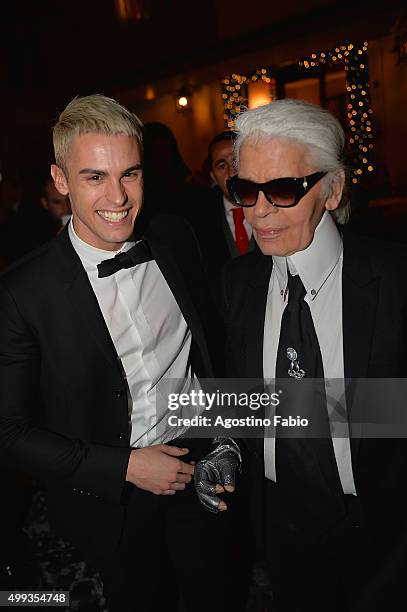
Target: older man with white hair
315	304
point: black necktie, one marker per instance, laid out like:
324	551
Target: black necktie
139	253
299	459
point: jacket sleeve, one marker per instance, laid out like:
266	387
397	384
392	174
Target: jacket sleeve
28	446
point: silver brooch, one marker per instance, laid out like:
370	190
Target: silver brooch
294	371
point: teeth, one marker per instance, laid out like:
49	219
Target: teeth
113	216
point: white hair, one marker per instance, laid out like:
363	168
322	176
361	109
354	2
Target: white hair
307	124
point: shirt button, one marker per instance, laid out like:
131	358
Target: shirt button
118	393
313	292
121	435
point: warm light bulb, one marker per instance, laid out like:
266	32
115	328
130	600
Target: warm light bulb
183	101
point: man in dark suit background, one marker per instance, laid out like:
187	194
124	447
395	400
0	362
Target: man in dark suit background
236	231
319	304
57	205
221	228
94	341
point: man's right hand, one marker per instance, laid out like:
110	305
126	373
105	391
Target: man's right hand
159	470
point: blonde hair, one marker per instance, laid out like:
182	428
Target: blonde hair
94	114
305	123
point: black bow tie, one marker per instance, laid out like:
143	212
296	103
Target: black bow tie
139	253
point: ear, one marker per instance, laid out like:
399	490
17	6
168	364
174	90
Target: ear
60	179
212	177
336	190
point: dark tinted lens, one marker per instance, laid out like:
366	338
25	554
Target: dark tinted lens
282	192
245	192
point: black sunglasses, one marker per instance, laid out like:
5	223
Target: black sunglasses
281	192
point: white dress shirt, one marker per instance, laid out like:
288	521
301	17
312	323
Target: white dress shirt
149	333
229	207
320	269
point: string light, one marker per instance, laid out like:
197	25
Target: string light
355	60
232	92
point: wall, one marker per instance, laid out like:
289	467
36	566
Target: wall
388	81
194	128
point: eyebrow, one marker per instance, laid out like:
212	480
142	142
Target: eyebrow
103	173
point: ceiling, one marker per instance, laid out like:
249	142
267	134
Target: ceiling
52	50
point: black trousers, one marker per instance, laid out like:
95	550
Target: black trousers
174	555
346	568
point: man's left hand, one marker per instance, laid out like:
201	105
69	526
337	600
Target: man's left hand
215	474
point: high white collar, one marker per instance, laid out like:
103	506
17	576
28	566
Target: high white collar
315	263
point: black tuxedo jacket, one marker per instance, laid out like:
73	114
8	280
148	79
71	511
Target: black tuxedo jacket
374	304
56	351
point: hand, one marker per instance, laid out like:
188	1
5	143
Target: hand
215	474
157	469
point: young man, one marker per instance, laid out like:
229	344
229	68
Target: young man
92	324
314	305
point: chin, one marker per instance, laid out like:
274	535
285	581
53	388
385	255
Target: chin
284	248
269	247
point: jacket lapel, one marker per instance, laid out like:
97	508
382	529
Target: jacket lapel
83	300
255	313
360	290
80	295
255	316
171	272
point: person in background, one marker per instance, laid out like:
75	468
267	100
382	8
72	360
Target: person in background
168	184
236	232
221	228
57	205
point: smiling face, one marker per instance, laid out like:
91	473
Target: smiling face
104	181
280	231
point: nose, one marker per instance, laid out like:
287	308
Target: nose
263	207
230	171
116	193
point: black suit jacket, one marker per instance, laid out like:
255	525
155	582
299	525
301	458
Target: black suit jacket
374	303
215	239
54	343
